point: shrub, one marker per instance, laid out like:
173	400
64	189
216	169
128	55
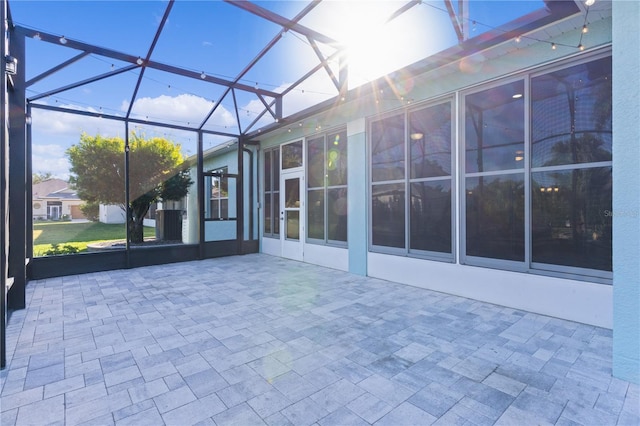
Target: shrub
56	249
91	210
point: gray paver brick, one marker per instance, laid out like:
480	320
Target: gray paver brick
195	411
239	415
406	414
174	399
369	407
304	412
120	346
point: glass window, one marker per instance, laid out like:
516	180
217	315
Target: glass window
568	227
337	214
494	129
218	186
430	140
571	186
316	158
418	205
387	215
292	155
337	159
570	224
271	192
327	188
571	115
495	216
315	218
387	149
430	216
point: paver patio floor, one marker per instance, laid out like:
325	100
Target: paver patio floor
251	340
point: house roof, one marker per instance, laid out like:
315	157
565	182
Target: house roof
54	188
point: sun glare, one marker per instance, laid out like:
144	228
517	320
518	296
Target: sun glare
361	29
373	46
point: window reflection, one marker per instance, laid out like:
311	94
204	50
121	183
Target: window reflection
494	129
315	209
570	222
495	216
271	192
337	214
571	111
387	149
430	141
336	159
327	188
431	216
292	155
387	215
293	224
218	188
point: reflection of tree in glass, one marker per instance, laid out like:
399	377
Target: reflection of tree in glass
587	148
495	217
431	216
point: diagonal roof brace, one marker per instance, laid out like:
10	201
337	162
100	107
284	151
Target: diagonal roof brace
454	21
56	69
82	83
325	63
132	59
153	45
282	21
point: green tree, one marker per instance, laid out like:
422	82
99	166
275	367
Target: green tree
40	177
157	172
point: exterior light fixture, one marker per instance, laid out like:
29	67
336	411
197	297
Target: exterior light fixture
37	36
11	65
27	120
589	2
203	75
63	40
139	61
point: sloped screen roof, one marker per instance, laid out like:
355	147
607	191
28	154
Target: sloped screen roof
232	67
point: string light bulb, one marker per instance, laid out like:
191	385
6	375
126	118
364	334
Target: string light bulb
139	61
581	47
63	40
589	2
553	46
518	39
585	29
203	75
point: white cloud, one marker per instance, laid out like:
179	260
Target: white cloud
185	109
59	125
53	132
50	158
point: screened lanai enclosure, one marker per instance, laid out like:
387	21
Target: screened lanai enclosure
466	141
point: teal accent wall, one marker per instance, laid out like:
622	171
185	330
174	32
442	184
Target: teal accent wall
357	177
626	197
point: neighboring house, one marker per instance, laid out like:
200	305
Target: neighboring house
54	199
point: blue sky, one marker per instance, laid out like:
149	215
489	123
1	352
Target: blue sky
219	39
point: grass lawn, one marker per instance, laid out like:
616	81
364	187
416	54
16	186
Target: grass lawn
77	234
